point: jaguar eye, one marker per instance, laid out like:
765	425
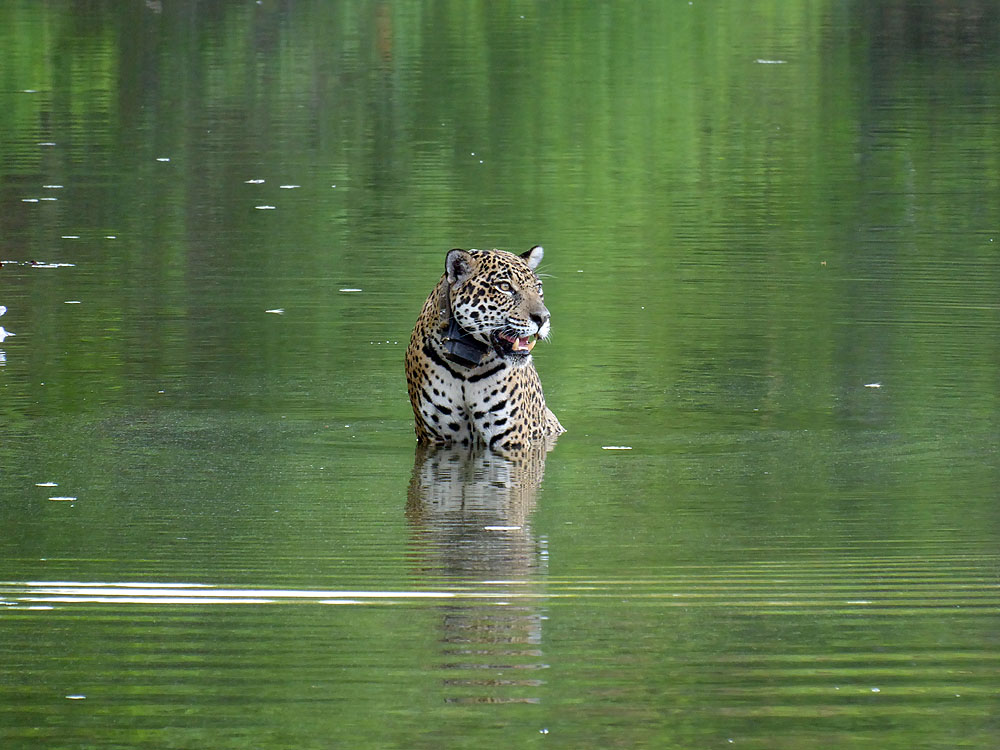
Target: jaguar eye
504	286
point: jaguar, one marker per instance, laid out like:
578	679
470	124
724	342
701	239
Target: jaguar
469	368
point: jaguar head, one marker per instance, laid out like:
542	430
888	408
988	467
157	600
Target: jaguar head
497	299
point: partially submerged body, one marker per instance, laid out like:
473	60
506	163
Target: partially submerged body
468	366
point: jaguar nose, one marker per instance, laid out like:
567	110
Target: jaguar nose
541	321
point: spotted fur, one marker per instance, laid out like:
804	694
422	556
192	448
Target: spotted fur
496	300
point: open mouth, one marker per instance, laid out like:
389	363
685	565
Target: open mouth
511	345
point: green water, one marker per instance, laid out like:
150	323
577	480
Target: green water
772	242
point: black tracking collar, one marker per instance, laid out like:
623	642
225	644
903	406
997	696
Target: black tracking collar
462	347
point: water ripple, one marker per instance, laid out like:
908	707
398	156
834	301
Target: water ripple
886	586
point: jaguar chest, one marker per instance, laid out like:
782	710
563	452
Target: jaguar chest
469	405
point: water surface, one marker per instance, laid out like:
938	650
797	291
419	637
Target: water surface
772	263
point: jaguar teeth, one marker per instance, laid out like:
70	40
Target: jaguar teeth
524	343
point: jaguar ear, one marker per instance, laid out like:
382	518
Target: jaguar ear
534	256
458	266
